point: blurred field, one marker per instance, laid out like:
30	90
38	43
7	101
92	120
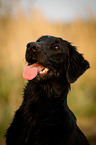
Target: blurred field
15	33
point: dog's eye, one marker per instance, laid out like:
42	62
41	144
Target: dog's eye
57	47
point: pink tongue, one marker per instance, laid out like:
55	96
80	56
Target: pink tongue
31	71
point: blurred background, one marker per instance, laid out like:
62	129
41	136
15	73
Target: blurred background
22	21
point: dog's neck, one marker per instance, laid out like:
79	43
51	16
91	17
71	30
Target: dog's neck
42	97
48	98
52	89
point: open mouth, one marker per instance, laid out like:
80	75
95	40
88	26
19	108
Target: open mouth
32	70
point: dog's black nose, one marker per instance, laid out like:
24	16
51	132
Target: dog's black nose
32	46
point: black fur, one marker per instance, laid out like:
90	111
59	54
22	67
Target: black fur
44	117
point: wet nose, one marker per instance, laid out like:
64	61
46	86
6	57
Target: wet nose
32	46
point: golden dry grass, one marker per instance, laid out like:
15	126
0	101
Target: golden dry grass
15	34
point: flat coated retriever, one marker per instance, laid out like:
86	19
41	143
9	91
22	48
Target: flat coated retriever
44	117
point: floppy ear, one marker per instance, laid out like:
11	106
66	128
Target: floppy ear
77	64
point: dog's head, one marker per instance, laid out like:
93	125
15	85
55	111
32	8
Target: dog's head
52	56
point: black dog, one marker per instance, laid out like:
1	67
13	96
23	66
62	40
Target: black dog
44	117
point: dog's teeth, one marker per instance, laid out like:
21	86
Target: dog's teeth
44	71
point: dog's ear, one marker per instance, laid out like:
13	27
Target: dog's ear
77	64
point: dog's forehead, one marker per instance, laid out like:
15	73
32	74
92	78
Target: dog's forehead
49	39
